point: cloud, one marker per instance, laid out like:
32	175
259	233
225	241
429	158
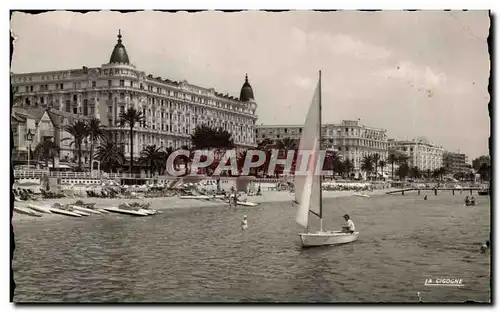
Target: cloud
347	45
303	83
418	77
339	44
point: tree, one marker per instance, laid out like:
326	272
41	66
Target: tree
79	131
476	163
382	164
264	143
376	159
205	137
332	161
131	117
348	166
393	158
485	172
96	132
367	164
47	150
439	173
403	171
110	155
152	156
415	173
286	144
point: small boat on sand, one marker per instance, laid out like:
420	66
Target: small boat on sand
247	203
64	212
85	209
137	207
67	208
125	211
195	197
39	208
27	211
361	195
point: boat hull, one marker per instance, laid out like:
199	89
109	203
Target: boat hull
249	204
361	195
195	197
124	211
327	238
27	211
42	209
84	209
65	212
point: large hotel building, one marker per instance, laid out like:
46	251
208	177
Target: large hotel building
350	138
420	152
172	109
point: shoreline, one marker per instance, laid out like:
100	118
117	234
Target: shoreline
174	202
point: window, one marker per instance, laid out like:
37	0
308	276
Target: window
109	83
131	84
110	96
74	97
122	96
110	122
122	83
94	84
67	108
31	88
75	110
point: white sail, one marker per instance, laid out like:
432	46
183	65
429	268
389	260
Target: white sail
308	187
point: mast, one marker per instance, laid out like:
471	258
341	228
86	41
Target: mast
320	177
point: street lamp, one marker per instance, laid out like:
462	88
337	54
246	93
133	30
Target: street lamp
29	138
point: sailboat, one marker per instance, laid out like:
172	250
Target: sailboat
308	192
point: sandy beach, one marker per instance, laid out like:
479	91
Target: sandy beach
162	203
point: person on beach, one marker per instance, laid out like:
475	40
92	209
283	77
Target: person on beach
472	201
244	224
485	247
467	200
349	228
425	197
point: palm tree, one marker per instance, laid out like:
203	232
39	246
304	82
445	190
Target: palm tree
367	164
332	161
79	131
264	143
393	158
376	159
403	170
152	156
205	137
382	164
349	166
415	173
110	155
131	117
47	150
96	132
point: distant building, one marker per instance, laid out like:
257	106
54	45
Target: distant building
44	124
172	108
420	152
350	139
455	162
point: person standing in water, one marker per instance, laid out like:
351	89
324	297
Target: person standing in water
244	224
485	247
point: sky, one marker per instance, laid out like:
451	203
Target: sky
413	73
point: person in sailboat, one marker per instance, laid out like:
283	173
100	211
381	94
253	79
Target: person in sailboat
349	228
244	224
